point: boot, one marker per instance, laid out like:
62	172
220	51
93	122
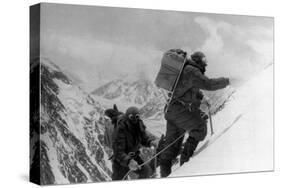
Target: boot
188	150
165	167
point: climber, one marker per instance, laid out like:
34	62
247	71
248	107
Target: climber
130	136
183	113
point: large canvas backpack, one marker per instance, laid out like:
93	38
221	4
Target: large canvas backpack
172	64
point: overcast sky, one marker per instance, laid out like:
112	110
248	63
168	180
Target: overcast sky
97	44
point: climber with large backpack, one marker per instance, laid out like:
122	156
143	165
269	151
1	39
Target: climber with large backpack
183	78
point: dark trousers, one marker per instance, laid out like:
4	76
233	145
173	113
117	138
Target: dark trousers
178	124
120	171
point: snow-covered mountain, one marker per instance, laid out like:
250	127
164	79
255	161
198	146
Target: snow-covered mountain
243	139
71	132
137	92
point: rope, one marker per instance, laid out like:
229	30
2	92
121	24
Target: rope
157	154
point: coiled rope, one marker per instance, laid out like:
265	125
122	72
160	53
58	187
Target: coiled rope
157	154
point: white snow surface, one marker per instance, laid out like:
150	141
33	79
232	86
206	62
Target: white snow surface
248	145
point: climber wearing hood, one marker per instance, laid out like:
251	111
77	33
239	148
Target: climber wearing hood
183	114
130	136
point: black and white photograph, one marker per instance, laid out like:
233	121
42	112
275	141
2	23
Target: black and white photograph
124	94
140	94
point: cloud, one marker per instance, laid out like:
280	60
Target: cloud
97	44
214	42
161	29
96	61
234	50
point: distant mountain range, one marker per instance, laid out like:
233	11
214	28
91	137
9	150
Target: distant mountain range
137	92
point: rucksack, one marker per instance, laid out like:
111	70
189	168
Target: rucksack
172	64
110	128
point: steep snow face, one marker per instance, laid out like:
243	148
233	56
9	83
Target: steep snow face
72	127
247	146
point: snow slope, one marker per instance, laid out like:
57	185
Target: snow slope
247	146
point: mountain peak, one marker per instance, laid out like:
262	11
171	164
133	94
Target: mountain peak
71	133
51	71
137	92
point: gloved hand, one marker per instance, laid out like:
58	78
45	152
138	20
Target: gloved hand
204	116
206	101
235	82
133	165
227	81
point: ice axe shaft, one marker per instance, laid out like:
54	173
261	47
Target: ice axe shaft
211	122
154	175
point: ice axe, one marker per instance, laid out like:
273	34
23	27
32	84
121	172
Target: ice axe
154	175
210	117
